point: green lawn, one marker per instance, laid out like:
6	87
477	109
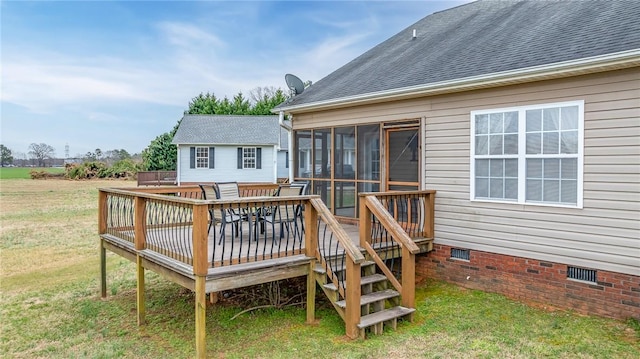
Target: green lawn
50	307
23	172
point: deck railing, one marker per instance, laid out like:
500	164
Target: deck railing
389	224
176	223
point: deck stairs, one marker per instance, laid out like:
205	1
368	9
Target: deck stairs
379	305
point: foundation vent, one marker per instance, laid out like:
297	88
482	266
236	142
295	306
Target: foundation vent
582	274
457	253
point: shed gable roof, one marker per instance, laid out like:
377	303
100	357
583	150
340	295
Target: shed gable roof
228	130
481	38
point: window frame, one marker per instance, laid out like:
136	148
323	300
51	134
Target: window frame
522	155
245	157
199	156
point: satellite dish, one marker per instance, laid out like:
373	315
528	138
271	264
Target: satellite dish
294	83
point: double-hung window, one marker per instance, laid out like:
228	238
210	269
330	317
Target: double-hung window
202	157
248	157
529	154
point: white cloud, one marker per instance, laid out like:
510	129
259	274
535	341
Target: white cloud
188	35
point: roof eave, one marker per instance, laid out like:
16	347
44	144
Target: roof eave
582	66
223	144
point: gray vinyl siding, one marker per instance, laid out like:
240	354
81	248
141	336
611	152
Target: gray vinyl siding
604	234
226	167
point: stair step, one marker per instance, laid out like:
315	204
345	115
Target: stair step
383	316
320	269
372	297
369	279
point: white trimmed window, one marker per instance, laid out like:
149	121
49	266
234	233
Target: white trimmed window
202	157
529	154
248	157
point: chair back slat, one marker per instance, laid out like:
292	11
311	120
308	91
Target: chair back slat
227	190
207	191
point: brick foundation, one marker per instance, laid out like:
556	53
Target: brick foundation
615	295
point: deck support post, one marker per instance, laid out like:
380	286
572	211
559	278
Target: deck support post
103	270
201	314
311	248
140	295
200	270
311	293
102	228
139	234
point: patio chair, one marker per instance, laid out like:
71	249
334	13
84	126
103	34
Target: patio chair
224	216
305	192
304	184
285	215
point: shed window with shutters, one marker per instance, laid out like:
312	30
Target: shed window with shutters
249	158
528	154
202	157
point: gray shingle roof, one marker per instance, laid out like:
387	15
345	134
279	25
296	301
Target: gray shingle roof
482	38
227	130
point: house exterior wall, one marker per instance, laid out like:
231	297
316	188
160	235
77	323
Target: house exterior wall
603	235
226	168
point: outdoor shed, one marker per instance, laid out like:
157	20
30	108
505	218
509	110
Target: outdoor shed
231	148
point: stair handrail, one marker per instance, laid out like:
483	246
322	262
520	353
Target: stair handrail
371	205
324	213
386	219
354	258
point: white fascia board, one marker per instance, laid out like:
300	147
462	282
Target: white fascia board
587	65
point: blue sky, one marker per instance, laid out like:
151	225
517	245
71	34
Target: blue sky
114	75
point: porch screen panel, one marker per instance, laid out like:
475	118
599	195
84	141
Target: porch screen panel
323	189
345	199
303	159
322	153
344	154
368	152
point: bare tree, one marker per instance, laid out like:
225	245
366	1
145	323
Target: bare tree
260	93
41	152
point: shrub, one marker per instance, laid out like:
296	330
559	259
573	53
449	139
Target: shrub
124	169
87	170
94	169
35	174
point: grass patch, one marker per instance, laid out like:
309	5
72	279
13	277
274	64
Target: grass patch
23	172
50	307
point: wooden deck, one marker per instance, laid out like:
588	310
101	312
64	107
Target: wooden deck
167	230
248	261
244	252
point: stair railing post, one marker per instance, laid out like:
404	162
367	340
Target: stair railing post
430	204
364	222
352	294
408	278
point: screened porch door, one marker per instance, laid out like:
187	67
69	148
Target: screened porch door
402	154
